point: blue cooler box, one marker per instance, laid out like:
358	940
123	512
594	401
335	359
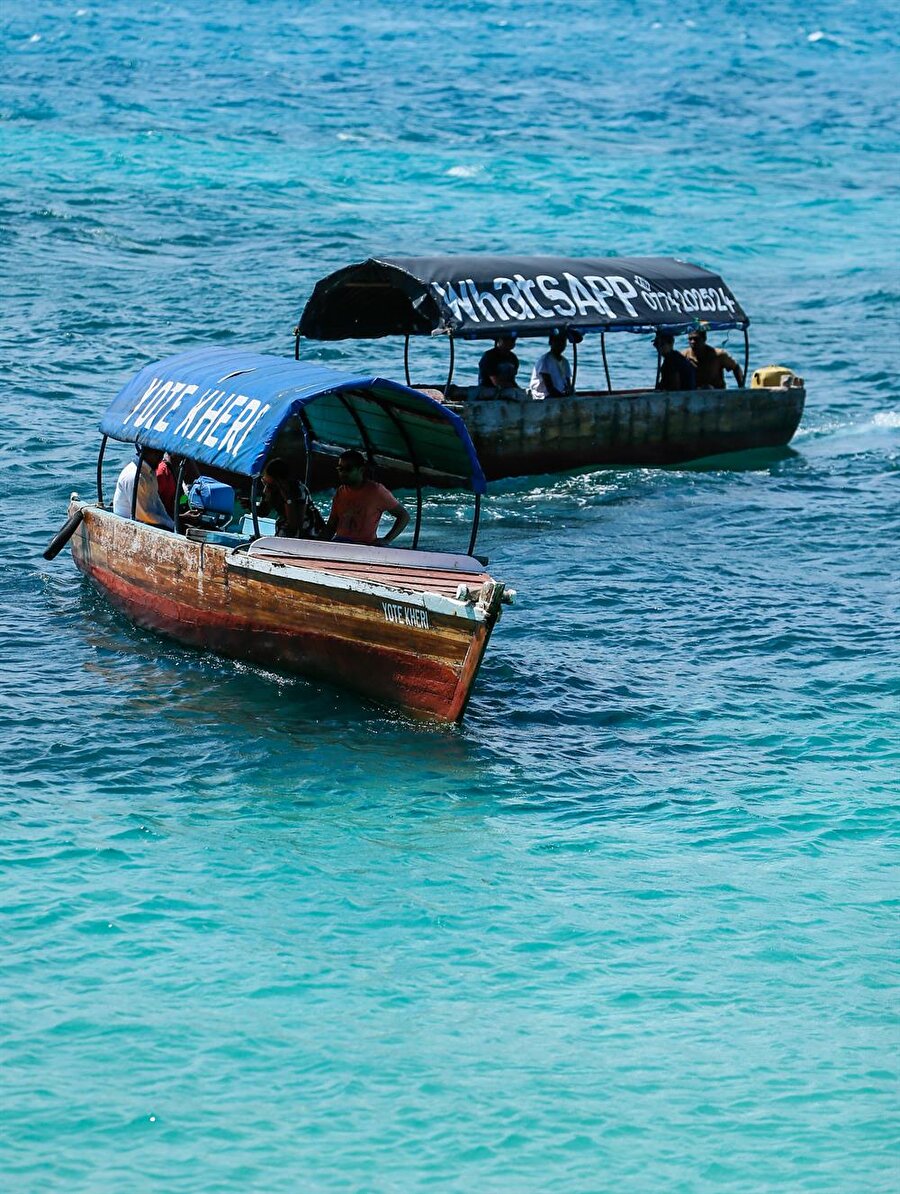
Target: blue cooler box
212	500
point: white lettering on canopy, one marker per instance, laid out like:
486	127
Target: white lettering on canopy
162	424
527	285
561	305
457	302
208	415
145	398
513	303
521	300
204	400
624	292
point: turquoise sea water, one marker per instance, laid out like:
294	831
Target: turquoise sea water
633	926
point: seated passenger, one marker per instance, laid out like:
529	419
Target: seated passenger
499	365
166	482
552	376
148	508
288	498
359	504
710	362
675	371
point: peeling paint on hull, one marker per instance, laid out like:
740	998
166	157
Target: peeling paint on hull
334	631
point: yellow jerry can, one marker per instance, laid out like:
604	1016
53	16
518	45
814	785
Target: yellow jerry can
774	375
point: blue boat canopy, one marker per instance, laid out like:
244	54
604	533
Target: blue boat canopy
477	297
225	407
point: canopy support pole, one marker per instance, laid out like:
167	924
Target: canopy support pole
574	364
297	342
307	449
605	362
413	459
100	470
452	360
177	504
137	481
406	359
364	436
254	513
474	534
746	353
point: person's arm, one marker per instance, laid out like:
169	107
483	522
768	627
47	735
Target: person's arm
331	524
733	367
549	387
401	521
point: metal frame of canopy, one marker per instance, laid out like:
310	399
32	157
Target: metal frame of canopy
368	405
419	289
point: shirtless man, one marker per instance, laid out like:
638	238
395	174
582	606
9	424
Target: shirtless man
710	362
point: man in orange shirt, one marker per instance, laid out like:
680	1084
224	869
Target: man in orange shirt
359	504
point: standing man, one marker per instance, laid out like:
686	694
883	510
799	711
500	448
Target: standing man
359	504
552	376
710	362
499	365
675	371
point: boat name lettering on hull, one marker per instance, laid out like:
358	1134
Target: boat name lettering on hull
406	615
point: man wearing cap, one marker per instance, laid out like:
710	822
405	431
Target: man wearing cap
358	505
710	362
675	371
499	365
551	376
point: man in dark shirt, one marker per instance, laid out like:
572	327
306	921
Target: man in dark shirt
499	365
675	371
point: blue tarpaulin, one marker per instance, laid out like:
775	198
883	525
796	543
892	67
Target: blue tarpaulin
225	407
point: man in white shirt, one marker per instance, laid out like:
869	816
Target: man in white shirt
149	506
551	376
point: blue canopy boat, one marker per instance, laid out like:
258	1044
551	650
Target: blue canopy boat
406	627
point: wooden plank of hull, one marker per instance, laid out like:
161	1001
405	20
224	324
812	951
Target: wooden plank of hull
282	618
521	438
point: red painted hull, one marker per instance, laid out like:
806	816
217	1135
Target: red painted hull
316	626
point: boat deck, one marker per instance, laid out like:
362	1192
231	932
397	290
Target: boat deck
406	571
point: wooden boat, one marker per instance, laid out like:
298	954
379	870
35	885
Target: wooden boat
405	627
477	298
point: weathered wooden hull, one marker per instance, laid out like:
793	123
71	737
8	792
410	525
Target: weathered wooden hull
419	652
651	428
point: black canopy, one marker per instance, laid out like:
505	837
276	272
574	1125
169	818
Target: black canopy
477	297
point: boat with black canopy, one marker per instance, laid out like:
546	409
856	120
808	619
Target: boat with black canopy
404	626
481	297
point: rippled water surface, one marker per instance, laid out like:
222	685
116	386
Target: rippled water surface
633	926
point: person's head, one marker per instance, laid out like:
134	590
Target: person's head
663	342
351	468
153	457
506	341
697	337
276	471
557	341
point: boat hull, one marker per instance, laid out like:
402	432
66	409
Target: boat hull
647	428
412	651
